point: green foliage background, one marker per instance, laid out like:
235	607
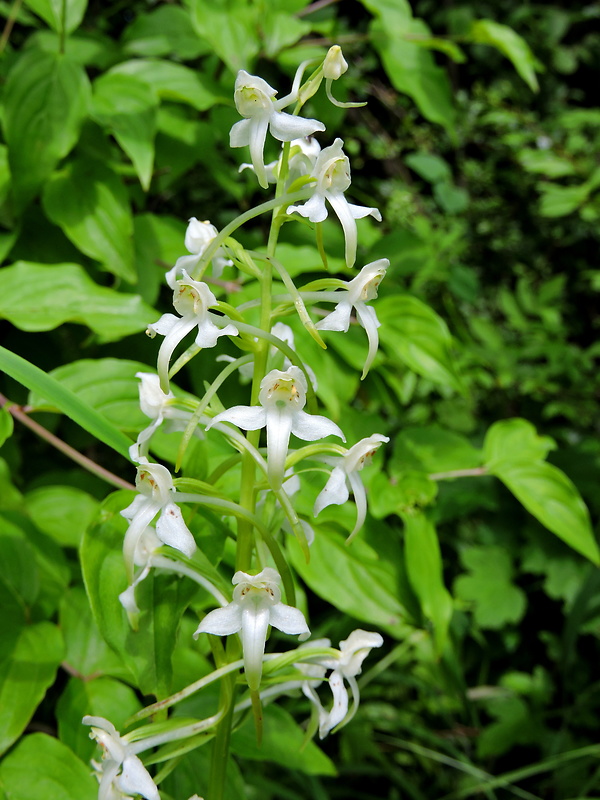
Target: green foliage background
479	145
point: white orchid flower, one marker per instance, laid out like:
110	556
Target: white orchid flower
282	397
254	99
344	479
145	547
356	295
197	238
302	158
332	176
256	605
157	495
121	773
345	667
192	299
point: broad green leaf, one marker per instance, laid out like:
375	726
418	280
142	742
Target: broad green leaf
127	107
101	697
283	743
425	574
7	425
559	201
452	199
62	512
46	99
281	30
511	45
90	203
548	494
232	33
415	335
410	67
353	579
164	31
545	162
158	243
42	767
433	449
19	577
514	440
60	14
25	676
405	492
429	166
173	81
488	587
65	293
86	652
38	381
147	651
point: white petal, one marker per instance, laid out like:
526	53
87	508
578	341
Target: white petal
314	208
221	621
135	779
338	319
340	701
208	332
334	493
359	212
255	622
248	418
164	324
355	649
288	619
286	127
310	427
279	427
239	135
258	134
360	498
174	336
368	319
172	530
342	208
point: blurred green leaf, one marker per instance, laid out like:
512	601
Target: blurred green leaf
231	28
60	14
61	512
7	425
559	201
164	31
432	449
41	766
429	166
46	99
545	162
65	293
25	675
511	45
90	203
514	440
127	107
415	335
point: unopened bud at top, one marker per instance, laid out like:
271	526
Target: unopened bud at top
335	64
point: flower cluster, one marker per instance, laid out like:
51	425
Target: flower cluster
310	179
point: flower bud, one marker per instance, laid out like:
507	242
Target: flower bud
335	64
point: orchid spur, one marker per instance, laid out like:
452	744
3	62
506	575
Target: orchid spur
256	605
282	398
254	99
331	174
345	478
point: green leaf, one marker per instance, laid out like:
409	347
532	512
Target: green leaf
65	293
101	697
281	30
164	31
60	14
25	676
496	601
283	743
514	440
62	512
405	492
158	241
127	107
411	68
548	494
545	162
19	577
415	335
428	166
7	425
45	101
38	381
173	82
231	32
42	767
511	45
353	579
432	449
559	201
90	203
147	651
424	568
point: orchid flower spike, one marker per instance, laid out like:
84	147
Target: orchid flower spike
344	479
256	605
156	496
197	238
192	299
282	397
345	667
332	176
121	773
254	99
357	293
